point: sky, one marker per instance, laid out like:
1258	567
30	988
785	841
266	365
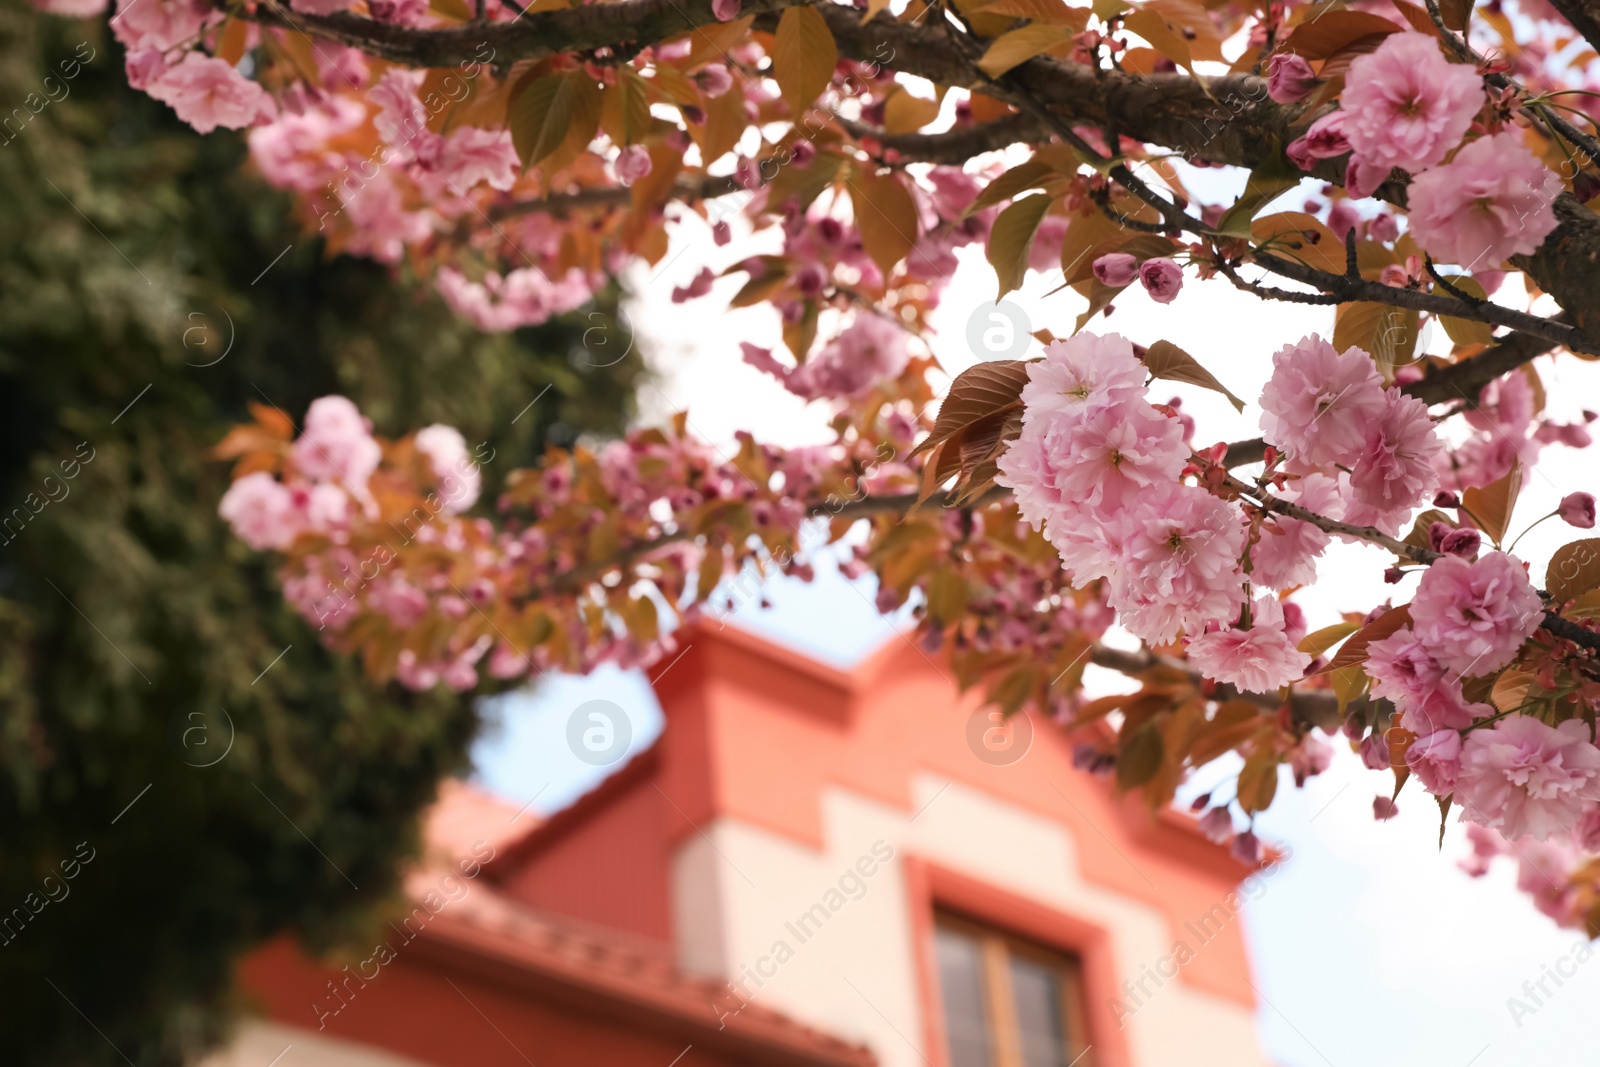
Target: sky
1371	948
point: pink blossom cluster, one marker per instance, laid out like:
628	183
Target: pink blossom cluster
1330	414
868	351
1548	870
1504	431
1098	468
1513	773
1406	106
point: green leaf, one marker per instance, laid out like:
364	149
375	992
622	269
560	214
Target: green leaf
803	58
1265	185
1140	756
1166	360
1020	178
1011	238
1258	782
1315	644
539	115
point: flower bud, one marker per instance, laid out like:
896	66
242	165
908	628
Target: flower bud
1116	269
1289	78
1578	510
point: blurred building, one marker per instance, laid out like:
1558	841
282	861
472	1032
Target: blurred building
808	867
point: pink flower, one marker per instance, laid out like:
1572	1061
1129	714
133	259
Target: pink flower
160	24
1435	758
1116	269
1362	176
1161	278
1261	659
1384	809
1112	452
1577	509
1523	777
1442	707
1494	200
1289	78
714	80
1394	471
400	12
1319	402
471	155
1407	104
1178	565
457	475
261	512
1474	617
1079	372
1287	553
337	444
1401	668
524	297
726	10
632	163
869	351
208	93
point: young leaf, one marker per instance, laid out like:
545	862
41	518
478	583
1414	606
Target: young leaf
1140	757
1258	781
1354	652
1019	46
1334	30
885	214
1166	360
1388	333
1011	238
1574	570
540	114
977	392
1020	178
803	57
1163	36
1491	505
1315	644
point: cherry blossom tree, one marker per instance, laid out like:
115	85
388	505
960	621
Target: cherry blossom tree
520	155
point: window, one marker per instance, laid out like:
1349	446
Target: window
1008	1003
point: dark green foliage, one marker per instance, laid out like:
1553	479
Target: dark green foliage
128	615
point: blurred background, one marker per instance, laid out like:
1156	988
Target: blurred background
164	713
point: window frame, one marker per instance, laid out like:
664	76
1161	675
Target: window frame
935	890
997	948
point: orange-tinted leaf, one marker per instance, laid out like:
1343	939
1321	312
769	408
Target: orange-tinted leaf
885	214
803	58
976	393
1491	505
1012	236
1333	30
1574	570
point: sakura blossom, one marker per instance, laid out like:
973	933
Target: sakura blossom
1258	657
1494	200
1407	104
1319	404
1523	777
1474	616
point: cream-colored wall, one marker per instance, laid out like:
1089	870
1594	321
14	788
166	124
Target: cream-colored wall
267	1044
856	978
